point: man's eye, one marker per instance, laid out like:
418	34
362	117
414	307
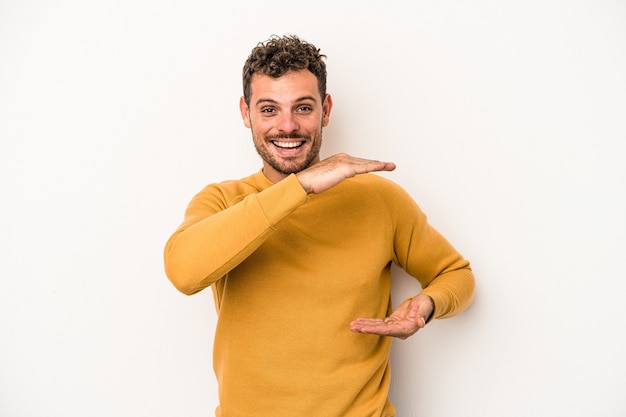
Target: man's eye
304	109
267	110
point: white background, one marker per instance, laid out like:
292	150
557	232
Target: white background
507	121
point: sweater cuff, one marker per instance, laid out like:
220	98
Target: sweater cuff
282	198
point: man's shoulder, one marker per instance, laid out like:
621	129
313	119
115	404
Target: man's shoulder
226	192
384	188
375	181
254	182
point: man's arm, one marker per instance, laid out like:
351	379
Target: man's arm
445	276
215	238
455	295
217	235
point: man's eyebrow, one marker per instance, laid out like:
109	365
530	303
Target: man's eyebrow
305	98
265	100
272	101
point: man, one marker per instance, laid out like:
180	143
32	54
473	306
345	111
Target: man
298	257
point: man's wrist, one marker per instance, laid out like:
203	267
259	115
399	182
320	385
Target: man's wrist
432	313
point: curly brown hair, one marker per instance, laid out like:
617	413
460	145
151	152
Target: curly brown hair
279	55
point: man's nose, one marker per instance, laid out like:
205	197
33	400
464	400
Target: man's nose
287	123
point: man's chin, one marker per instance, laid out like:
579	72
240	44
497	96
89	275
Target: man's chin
290	168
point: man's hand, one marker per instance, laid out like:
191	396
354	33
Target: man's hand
405	321
331	171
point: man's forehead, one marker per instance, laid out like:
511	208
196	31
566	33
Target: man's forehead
292	86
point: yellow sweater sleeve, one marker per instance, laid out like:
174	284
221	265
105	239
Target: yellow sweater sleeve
444	274
222	229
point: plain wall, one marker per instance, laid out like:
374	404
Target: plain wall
507	122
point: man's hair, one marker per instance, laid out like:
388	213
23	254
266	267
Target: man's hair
280	55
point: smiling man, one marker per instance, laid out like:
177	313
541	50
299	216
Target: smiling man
286	118
299	254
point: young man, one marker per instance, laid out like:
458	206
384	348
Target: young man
298	257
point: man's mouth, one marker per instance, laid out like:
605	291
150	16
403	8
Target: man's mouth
287	145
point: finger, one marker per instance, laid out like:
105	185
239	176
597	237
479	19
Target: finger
371	166
394	331
363	323
376	328
366	320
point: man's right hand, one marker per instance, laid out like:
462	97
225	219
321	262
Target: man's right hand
331	171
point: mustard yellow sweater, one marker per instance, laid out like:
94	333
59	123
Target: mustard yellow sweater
289	271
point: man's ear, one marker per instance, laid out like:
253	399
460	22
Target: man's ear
326	108
245	112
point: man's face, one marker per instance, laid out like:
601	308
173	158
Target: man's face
286	116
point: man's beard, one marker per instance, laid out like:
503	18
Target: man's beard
286	166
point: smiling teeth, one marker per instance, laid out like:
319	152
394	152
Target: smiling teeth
287	144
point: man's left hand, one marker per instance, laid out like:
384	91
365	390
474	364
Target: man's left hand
405	321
